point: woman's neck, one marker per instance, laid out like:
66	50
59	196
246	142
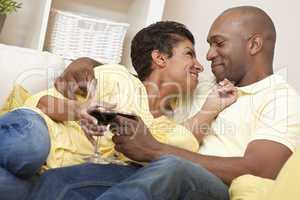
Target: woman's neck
159	96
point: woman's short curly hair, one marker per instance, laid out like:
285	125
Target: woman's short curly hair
162	36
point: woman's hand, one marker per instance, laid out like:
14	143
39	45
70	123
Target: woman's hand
222	96
88	123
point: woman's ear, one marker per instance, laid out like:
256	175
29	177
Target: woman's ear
158	58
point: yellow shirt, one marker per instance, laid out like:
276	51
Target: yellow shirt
69	145
16	98
268	109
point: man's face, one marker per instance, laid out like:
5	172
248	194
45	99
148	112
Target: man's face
182	68
228	50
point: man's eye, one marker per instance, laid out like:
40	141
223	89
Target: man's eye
220	44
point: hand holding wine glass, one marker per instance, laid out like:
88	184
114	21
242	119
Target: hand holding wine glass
90	124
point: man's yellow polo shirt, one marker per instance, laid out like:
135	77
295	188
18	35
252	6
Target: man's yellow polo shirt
69	145
266	110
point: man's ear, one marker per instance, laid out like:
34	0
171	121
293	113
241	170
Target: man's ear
158	58
255	44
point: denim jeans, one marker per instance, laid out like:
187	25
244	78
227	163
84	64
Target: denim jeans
24	147
169	178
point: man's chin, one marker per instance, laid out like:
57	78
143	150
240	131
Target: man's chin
219	78
219	75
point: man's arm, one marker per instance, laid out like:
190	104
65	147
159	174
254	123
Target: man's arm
262	157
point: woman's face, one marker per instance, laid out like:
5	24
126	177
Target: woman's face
182	68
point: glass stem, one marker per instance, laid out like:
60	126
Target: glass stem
97	145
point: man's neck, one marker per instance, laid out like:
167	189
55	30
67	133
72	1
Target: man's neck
253	77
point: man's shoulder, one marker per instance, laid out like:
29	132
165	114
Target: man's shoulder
270	87
280	88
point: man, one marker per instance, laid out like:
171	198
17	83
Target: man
255	136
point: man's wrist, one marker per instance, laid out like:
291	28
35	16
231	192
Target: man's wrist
77	111
160	150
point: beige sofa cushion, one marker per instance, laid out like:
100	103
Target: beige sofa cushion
32	69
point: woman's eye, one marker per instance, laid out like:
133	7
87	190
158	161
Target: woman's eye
190	54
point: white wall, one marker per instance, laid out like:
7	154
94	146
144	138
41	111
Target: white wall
198	15
23	27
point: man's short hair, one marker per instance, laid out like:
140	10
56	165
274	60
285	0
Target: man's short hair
162	36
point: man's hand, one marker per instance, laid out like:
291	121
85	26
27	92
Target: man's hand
75	78
135	141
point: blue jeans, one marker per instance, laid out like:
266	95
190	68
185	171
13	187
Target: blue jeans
24	147
169	178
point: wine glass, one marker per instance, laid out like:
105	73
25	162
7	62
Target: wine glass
115	99
96	156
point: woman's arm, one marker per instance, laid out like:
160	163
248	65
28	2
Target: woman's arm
60	110
221	97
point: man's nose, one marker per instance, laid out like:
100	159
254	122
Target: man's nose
211	54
